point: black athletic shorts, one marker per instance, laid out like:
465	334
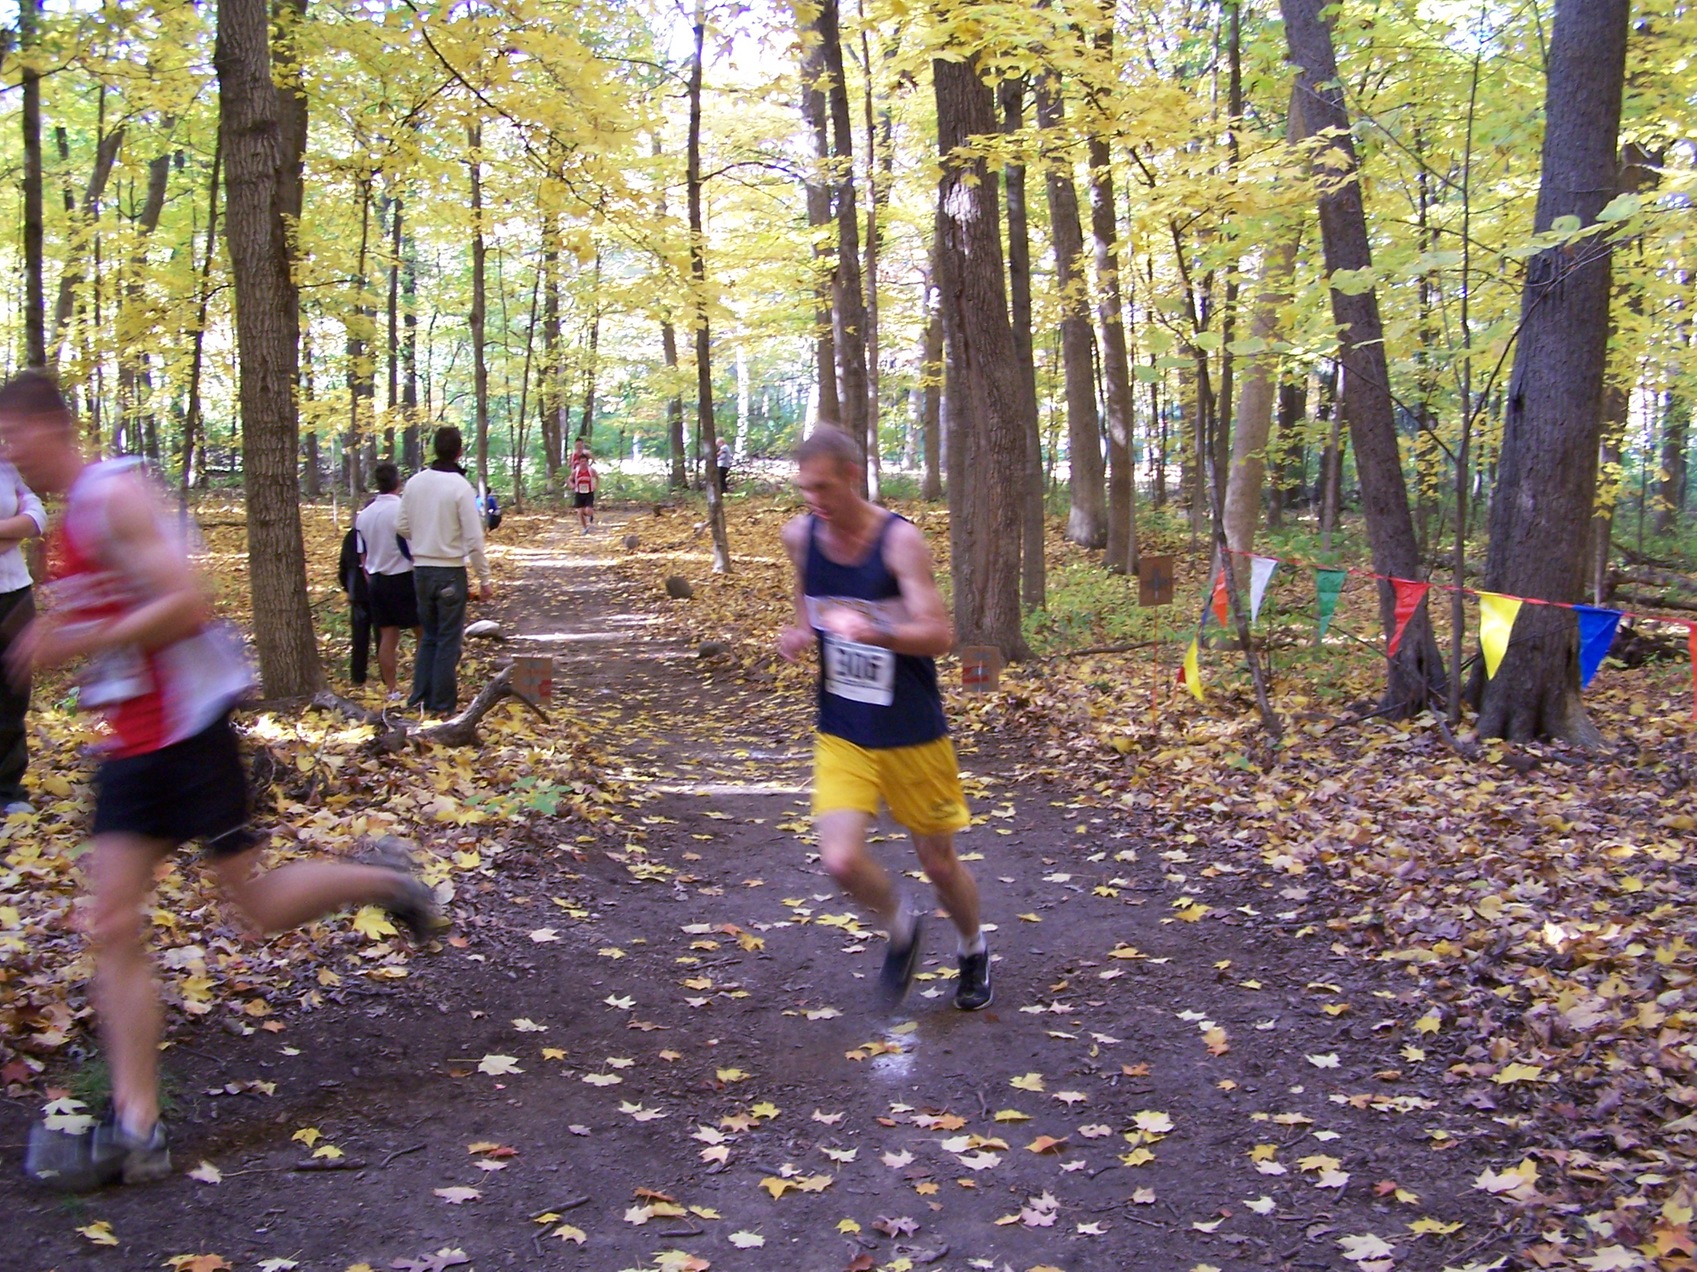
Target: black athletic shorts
394	600
584	499
193	789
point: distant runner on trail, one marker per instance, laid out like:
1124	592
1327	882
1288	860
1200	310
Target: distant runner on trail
124	601
583	482
865	595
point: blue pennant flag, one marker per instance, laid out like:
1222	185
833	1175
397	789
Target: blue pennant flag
1596	635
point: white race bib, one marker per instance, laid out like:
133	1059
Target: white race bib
860	673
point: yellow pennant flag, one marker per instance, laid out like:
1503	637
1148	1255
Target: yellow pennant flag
1192	672
1496	621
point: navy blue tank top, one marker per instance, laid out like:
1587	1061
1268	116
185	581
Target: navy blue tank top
868	695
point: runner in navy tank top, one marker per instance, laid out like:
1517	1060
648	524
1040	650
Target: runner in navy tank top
866	599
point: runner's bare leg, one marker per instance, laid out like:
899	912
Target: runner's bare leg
955	886
842	848
125	995
276	900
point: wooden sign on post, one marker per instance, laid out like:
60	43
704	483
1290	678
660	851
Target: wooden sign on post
1155	580
980	668
533	677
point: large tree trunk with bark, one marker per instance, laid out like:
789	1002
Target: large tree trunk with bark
1087	516
1547	471
987	440
705	424
1416	671
1032	580
263	135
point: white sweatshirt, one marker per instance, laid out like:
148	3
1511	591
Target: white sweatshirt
440	522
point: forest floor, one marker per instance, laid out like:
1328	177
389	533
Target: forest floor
650	1040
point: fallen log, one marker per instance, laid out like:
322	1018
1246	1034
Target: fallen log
458	730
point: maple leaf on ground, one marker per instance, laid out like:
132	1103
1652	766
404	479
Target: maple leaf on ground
565	1232
207	1173
99	1232
498	1066
1359	1249
457	1196
746	1240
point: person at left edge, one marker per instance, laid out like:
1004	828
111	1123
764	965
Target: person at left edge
124	601
21	517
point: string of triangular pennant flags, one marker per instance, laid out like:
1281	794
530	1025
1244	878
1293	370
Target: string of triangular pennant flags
1497	614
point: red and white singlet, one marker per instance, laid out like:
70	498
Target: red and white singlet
150	698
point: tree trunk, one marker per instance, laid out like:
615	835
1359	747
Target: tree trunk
263	131
548	385
814	112
1121	556
679	479
985	419
35	292
931	390
849	307
1676	441
479	251
1416	670
1032	580
1547	467
362	382
591	362
1087	516
133	378
203	295
392	401
705	424
1255	404
80	229
411	450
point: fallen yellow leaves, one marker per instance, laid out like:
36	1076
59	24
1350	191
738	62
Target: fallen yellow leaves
804	1183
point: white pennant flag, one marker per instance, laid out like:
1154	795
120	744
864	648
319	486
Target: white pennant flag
1260	571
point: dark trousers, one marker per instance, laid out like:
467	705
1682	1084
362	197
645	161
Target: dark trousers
442	593
17	610
359	618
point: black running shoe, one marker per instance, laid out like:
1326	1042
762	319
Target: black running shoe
414	908
901	961
973	991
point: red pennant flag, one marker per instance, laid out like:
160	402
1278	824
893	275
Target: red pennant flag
1691	640
1220	599
1409	594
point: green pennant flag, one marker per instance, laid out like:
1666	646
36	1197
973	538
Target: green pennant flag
1328	583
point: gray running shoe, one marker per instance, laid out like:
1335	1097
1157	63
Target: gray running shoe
83	1159
901	961
415	907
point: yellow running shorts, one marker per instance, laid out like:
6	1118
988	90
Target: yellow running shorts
921	784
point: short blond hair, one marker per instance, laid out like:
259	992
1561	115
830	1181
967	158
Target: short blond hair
828	441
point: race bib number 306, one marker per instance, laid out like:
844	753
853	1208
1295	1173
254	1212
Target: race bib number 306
860	673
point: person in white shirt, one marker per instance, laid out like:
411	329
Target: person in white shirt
21	517
440	521
388	570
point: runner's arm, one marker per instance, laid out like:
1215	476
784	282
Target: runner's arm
797	637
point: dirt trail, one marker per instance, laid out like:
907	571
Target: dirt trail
1161	1011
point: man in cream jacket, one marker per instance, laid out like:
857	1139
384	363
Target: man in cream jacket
440	521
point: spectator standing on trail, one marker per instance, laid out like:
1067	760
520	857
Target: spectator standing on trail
387	563
866	597
440	519
583	482
125	602
21	517
724	466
